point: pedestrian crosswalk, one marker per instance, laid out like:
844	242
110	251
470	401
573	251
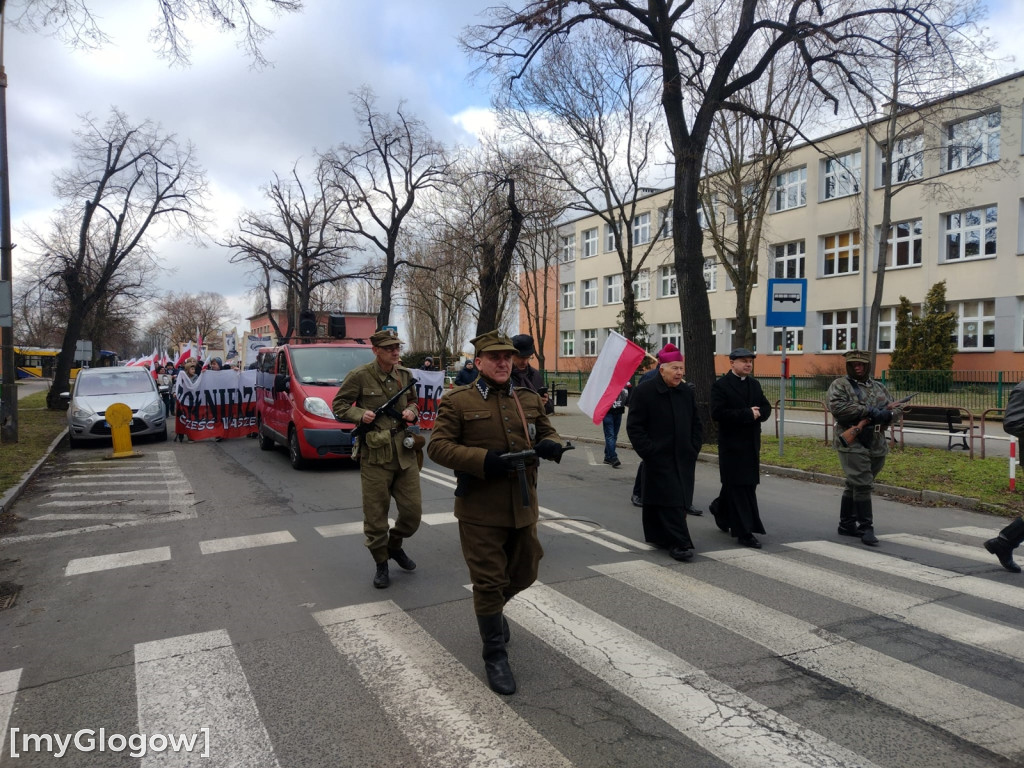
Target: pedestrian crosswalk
667	701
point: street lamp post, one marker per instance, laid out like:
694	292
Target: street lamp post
8	386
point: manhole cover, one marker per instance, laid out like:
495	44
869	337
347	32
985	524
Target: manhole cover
8	594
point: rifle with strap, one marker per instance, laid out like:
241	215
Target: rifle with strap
847	436
388	409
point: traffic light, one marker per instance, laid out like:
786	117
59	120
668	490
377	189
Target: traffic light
336	326
307	323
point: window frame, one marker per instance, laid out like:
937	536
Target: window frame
613	285
985	136
589	243
567	348
904	157
589	293
852	254
567	251
664	275
798	258
588	342
786	187
641	229
982	319
567	296
840	175
982	226
848	325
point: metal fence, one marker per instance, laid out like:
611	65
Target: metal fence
976	391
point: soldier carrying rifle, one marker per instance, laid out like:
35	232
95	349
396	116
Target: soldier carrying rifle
858	400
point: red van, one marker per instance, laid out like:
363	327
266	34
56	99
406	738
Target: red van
295	387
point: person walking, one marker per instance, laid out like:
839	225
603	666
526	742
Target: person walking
851	399
1012	535
665	430
387	466
739	406
611	423
524	374
475	426
466	375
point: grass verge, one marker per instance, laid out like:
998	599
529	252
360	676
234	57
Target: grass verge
37	427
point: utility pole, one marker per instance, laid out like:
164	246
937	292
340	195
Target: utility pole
8	384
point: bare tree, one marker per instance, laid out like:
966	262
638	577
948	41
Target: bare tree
298	246
181	315
378	181
138	183
589	110
77	23
699	79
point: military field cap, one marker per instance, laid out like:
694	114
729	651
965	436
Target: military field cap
493	341
739	352
385	339
524	345
858	356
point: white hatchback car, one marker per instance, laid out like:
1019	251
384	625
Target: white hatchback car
96	389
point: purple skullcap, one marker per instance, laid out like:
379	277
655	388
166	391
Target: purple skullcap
669	354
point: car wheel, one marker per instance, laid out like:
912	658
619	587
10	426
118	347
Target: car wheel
161	437
72	443
294	452
266	442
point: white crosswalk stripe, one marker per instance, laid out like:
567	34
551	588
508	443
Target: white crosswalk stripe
966	551
453	720
973	530
955	708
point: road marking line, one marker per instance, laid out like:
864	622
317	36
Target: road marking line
134	492
966	551
452	719
955	708
213	546
102	503
596	530
719	719
9	680
439	518
185	684
171	517
123	483
975	531
340	529
903	607
88	516
1007	594
551	525
81	565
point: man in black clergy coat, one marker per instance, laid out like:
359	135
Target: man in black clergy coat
739	406
666	432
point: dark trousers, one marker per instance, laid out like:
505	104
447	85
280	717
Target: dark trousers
611	423
502	562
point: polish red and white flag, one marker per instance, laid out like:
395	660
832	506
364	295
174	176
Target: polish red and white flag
186	353
617	362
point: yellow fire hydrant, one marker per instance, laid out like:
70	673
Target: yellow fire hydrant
119	416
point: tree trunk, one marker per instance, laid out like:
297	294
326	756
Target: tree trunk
62	372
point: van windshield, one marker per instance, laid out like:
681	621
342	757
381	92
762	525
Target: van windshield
327	366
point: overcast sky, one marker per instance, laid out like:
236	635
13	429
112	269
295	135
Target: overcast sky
247	124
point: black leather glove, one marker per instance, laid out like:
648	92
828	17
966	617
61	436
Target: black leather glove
550	450
495	466
880	415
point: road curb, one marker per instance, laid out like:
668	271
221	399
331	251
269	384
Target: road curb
927	497
12	494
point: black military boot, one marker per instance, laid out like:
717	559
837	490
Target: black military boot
865	522
382	579
847	520
499	673
404	561
1002	546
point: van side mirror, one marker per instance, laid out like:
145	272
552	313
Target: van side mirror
280	383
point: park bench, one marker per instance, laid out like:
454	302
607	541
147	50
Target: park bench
942	418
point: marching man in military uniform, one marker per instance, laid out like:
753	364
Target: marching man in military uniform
388	466
851	399
476	424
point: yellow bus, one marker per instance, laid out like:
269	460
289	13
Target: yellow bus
39	362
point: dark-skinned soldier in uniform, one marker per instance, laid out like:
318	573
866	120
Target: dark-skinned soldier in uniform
851	399
475	425
387	466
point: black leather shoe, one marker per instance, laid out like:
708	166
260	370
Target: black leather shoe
750	541
848	532
404	561
695	512
637	502
1003	550
867	535
681	554
382	579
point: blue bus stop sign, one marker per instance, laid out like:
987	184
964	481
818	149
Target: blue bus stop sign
787	302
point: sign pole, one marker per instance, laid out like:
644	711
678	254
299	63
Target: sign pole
782	394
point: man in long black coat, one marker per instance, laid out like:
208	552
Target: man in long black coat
665	430
739	406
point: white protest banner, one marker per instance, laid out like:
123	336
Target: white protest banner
429	388
252	345
217	404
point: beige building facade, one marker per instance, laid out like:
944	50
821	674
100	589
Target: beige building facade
958	216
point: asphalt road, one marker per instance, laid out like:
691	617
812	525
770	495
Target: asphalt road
208	585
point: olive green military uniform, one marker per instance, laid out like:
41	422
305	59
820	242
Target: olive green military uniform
850	401
386	467
498	532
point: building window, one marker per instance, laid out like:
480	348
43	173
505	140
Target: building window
841	175
907	159
642	229
971	234
670	333
791	189
842	254
732	333
710	274
790	261
668	286
589	290
613	289
665	222
642	285
886	328
568	252
589	243
972	142
568	295
976	325
609	237
839	330
590	342
794	340
568	343
905	244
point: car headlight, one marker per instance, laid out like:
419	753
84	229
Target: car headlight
82	411
318	407
155	408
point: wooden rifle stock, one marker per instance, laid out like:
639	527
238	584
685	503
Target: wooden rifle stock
847	436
